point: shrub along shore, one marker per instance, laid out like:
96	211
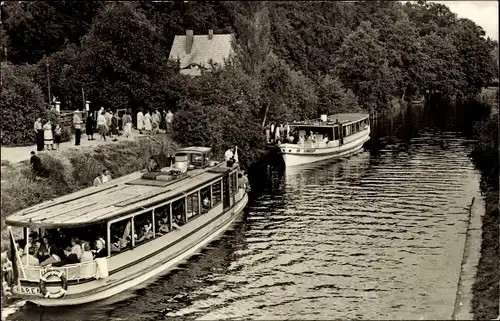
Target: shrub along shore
73	170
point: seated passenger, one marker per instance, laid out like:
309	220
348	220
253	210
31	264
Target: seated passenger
164	226
206	202
115	245
86	254
29	258
33	241
100	250
43	250
54	257
76	247
146	231
177	222
71	258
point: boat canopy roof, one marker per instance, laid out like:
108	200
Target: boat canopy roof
344	118
118	197
194	150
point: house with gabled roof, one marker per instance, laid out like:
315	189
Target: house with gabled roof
195	53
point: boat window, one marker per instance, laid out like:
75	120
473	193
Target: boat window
162	220
193	205
336	132
344	131
120	236
216	193
206	200
179	212
143	226
233	185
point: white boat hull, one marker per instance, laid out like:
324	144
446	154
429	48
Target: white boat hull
294	155
135	275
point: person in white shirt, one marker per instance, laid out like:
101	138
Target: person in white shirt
229	154
109	117
168	119
140	121
106	177
98	180
101	125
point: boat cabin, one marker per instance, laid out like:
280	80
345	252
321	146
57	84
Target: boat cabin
329	131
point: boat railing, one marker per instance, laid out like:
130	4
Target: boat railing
72	272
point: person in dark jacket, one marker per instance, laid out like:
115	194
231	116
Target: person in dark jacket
70	258
36	165
89	127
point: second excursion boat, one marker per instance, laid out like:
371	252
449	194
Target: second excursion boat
330	136
142	224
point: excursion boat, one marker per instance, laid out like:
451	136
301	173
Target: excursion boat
186	205
329	137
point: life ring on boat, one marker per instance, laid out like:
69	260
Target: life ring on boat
43	281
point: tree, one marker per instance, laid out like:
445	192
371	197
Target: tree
334	98
39	28
21	102
362	65
441	66
123	63
288	94
252	45
474	56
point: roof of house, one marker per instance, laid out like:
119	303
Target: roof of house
203	50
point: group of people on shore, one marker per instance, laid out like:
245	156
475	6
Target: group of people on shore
106	124
152	123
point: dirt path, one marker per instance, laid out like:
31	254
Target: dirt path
19	154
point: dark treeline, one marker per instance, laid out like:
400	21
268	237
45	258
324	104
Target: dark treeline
294	60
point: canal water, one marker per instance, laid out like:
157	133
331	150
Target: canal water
378	235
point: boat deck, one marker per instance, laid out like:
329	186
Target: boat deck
111	199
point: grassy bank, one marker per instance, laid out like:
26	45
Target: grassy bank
485	305
72	170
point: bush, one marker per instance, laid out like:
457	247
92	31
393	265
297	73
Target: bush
21	102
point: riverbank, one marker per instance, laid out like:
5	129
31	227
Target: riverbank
73	169
486	294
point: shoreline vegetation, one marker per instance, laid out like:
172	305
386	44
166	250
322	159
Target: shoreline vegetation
486	289
293	61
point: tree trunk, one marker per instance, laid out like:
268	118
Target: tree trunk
265	116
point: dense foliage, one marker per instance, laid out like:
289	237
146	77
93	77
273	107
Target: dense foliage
294	60
21	102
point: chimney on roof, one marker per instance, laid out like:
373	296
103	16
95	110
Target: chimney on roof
189	40
210	34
